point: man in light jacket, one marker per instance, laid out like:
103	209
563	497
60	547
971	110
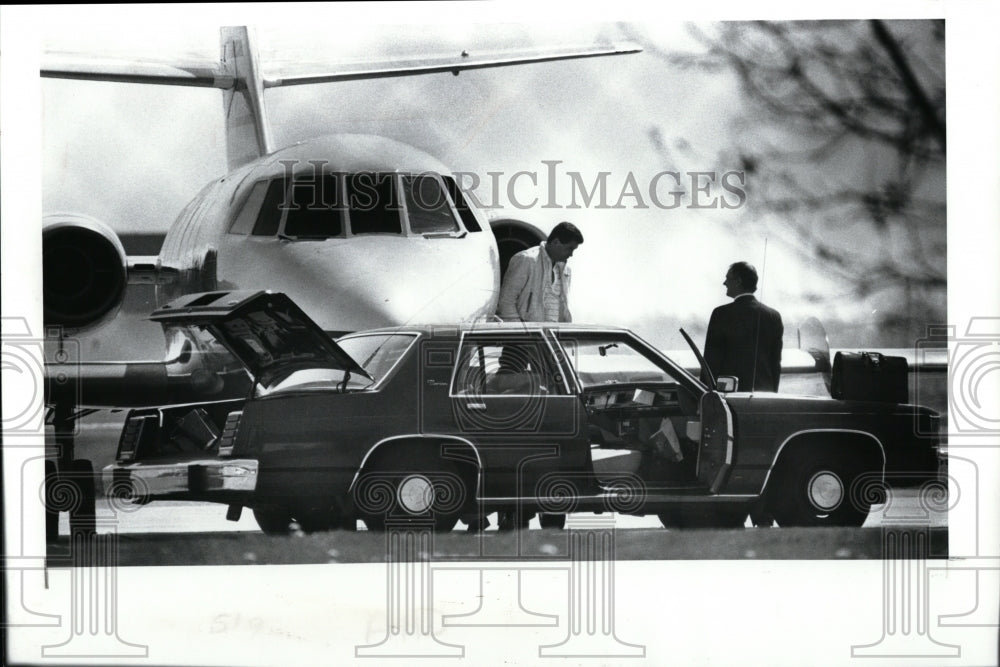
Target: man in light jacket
536	285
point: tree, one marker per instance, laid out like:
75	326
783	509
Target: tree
843	141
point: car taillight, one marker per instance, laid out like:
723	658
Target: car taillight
228	438
935	424
928	424
132	436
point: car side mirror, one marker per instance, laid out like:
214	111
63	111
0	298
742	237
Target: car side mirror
727	384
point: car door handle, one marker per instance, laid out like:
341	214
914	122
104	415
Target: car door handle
476	406
435	383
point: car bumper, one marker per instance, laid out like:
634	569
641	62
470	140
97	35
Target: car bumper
201	479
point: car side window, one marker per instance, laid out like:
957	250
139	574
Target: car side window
505	366
603	360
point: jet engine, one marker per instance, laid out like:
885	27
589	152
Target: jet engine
84	271
513	236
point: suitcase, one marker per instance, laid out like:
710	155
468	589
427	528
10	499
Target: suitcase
870	376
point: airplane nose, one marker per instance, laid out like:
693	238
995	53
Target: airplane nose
366	282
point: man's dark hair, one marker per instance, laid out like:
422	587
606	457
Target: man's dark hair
746	274
565	232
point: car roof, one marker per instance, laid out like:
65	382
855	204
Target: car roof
490	327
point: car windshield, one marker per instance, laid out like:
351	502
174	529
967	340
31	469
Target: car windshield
377	353
611	360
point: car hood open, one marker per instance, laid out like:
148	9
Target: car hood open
264	330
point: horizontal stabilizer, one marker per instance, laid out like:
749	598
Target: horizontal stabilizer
454	64
68	66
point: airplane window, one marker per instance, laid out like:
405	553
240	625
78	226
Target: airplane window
427	206
373	206
244	222
316	209
466	213
270	213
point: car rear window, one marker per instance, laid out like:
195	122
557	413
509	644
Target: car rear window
377	353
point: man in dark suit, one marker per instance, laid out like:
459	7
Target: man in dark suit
744	337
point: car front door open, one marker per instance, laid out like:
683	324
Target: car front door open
715	451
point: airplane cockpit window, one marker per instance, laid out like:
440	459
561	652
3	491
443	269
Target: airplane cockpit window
467	214
373	205
247	217
427	205
316	209
270	213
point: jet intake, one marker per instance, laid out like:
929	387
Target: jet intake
84	272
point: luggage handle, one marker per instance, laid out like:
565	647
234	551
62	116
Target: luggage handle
873	358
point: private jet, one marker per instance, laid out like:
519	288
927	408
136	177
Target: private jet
361	230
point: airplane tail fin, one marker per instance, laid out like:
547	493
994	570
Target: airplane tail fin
248	132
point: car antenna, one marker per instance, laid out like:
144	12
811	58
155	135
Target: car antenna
756	336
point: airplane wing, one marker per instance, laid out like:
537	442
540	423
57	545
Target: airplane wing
136	384
806	369
792	362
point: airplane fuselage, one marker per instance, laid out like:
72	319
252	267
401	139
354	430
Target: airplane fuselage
429	263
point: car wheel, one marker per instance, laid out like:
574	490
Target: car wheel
815	491
51	515
315	520
348	523
82	516
697	517
556	521
420	494
273	520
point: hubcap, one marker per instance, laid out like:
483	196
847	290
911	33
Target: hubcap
416	494
826	491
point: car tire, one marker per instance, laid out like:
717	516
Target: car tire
316	520
348	523
313	520
703	517
816	491
273	520
82	516
51	515
553	521
417	491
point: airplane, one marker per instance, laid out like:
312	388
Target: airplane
236	233
361	230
